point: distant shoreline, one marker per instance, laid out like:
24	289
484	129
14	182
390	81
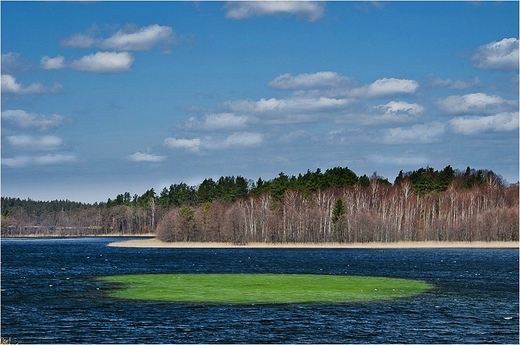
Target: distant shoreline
155	243
75	235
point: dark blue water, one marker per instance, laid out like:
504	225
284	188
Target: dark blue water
50	295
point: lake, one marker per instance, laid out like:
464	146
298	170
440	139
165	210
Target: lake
50	295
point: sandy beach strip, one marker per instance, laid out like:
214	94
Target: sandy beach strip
155	243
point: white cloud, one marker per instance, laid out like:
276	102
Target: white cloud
100	62
104	62
13	63
349	135
476	103
243	139
311	105
394	107
296	104
27	142
27	120
187	144
294	136
314	80
130	38
386	87
10	86
501	55
478	124
395	111
417	134
23	161
17	162
145	157
139	39
78	41
225	120
218	121
52	63
456	84
54	159
311	11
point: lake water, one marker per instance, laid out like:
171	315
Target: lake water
50	295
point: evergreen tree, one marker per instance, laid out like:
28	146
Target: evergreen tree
338	214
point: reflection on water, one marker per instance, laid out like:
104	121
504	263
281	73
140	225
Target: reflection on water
50	295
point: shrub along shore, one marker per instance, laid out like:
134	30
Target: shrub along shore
155	243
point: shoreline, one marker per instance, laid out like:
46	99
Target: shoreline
155	243
75	235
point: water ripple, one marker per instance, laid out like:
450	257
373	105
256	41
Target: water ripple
50	295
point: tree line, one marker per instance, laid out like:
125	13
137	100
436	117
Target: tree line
331	206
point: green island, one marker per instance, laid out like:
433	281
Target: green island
262	288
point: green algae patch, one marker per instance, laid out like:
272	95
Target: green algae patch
261	288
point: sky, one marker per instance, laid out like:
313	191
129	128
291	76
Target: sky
102	98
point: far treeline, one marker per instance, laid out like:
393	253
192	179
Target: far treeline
331	206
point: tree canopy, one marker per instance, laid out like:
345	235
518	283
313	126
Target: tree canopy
231	188
317	206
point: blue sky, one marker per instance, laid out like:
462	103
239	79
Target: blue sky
101	98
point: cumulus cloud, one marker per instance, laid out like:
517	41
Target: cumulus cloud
217	121
186	144
295	104
394	107
100	62
297	135
299	107
310	11
104	62
476	103
23	119
417	134
23	161
333	98
145	157
315	97
79	41
307	80
27	142
350	135
478	124
52	63
501	55
243	139
17	162
13	63
456	84
225	120
138	39
386	87
54	159
129	38
11	86
394	111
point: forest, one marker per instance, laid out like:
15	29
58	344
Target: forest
331	206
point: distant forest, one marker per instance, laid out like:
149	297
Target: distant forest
331	206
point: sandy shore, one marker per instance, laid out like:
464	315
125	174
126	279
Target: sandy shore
155	243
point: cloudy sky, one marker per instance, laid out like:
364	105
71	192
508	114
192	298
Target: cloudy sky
100	98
